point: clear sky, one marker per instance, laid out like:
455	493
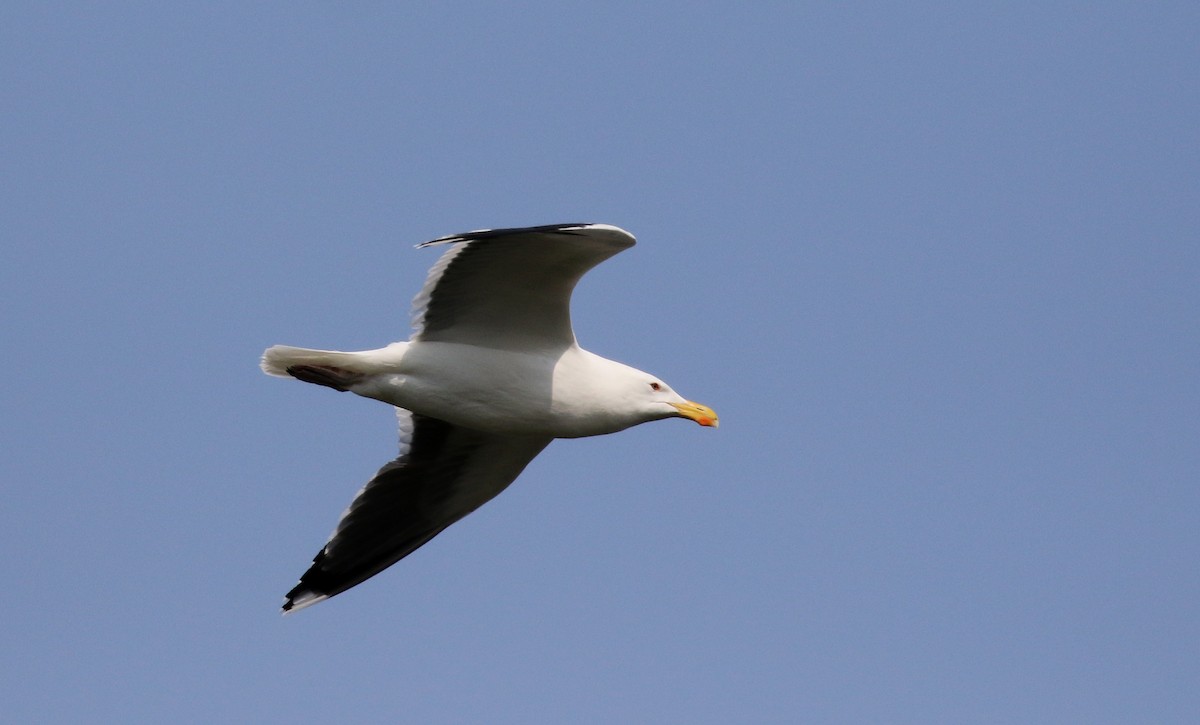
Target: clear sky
937	266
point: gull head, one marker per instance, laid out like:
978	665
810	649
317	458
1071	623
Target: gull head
666	403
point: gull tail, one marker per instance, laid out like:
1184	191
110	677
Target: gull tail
330	368
277	359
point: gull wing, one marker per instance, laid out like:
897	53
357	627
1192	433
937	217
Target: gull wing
443	473
511	288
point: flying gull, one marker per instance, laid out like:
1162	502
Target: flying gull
491	375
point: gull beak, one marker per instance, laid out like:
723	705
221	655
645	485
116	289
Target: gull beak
702	414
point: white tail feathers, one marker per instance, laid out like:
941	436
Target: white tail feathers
277	359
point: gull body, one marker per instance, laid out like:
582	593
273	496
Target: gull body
444	379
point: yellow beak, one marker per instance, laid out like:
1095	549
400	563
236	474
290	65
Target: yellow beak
702	414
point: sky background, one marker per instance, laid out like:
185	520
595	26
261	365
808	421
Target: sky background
937	266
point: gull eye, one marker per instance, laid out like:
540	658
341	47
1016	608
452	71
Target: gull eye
656	386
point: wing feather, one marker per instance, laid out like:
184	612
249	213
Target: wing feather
511	288
443	473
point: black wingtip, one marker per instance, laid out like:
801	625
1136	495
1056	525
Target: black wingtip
310	589
300	597
478	234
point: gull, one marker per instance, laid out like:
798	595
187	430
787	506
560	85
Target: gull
490	376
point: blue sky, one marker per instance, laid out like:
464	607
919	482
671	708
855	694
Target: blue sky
935	264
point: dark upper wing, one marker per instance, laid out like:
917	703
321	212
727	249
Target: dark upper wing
444	472
511	287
